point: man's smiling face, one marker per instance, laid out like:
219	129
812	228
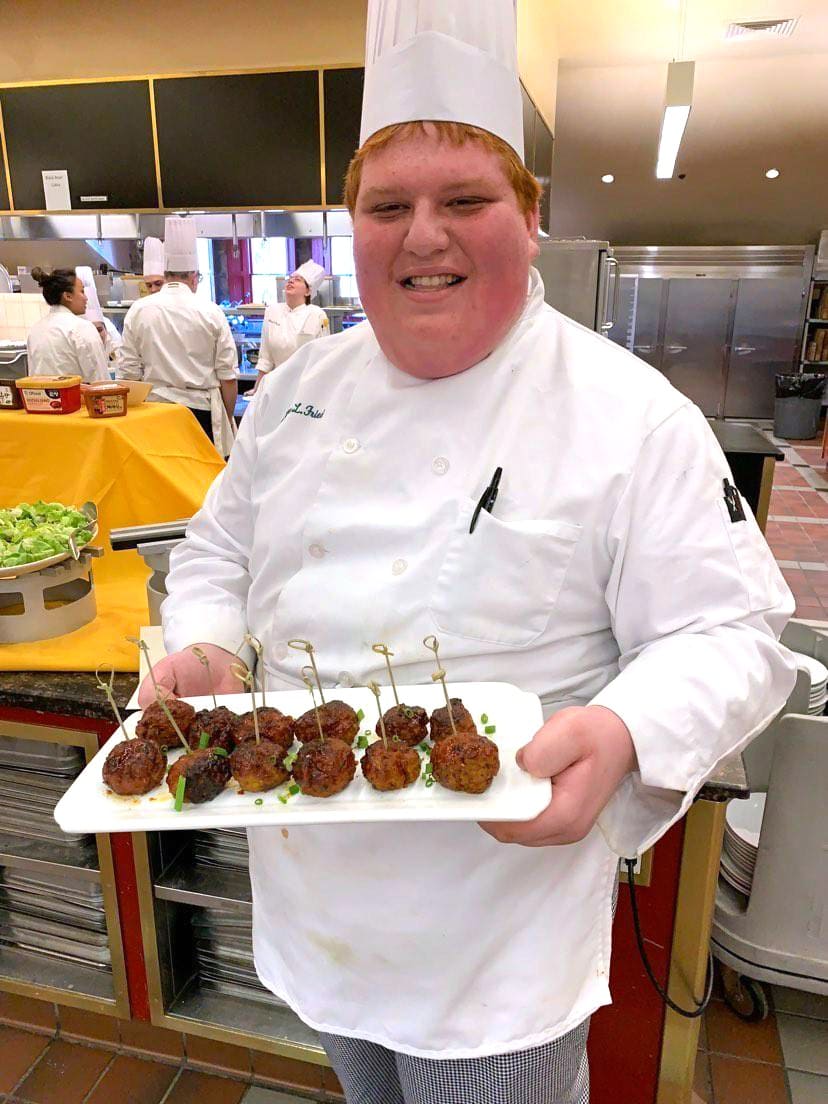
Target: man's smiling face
442	251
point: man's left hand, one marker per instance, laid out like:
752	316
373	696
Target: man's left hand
586	751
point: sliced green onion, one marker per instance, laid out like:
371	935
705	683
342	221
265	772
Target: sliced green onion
429	782
204	739
489	729
294	789
362	742
219	751
484	718
259	801
424	746
179	793
283	798
428	768
289	760
360	715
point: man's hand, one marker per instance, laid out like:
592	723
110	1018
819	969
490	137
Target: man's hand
185	676
586	751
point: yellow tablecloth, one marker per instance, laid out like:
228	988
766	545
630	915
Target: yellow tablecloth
154	465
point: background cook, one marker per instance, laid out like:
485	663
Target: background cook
289	325
64	343
439	965
107	331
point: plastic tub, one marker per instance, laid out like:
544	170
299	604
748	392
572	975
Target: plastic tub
9	395
50	394
105	400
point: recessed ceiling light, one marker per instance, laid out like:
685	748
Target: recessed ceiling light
607	178
772	174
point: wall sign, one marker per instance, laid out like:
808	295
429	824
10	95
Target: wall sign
56	190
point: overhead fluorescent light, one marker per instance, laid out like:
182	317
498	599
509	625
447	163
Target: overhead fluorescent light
677	103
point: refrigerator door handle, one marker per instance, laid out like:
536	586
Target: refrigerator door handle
742	350
607	325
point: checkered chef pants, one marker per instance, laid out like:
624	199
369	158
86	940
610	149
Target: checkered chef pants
555	1073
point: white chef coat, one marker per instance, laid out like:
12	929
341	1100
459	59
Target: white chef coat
183	346
65	344
112	342
286	329
608	572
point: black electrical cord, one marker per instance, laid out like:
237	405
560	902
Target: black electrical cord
708	989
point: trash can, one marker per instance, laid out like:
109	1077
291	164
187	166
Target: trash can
798	403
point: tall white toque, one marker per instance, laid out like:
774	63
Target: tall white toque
180	249
449	60
154	257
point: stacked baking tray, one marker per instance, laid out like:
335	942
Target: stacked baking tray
45	907
223	935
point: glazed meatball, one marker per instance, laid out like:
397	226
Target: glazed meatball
441	725
274	726
406	723
338	720
259	767
466	763
220	724
155	726
134	766
391	768
324	767
206	771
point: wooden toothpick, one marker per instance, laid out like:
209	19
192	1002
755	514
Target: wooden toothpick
433	645
375	690
256	645
306	646
309	683
246	678
110	697
159	695
382	649
205	663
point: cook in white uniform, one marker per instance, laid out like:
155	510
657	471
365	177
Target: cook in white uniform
290	325
181	344
107	331
64	343
610	578
153	266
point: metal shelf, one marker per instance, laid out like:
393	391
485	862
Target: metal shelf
57	977
815	363
199	1011
48	856
190	884
824	321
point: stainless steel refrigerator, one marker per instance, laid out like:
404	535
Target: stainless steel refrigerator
580	279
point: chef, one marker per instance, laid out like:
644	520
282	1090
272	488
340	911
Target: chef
107	331
153	267
65	343
181	344
289	325
616	574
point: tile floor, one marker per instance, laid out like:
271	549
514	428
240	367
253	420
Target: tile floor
783	1060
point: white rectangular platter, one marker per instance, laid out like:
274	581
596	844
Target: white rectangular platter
89	806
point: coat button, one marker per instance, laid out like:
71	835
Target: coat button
317	551
398	567
350	444
345	678
440	465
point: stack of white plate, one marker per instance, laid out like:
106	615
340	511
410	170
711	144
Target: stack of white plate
743	826
819	682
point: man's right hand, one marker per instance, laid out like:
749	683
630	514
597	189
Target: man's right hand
183	675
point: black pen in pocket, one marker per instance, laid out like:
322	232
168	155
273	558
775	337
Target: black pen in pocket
487	499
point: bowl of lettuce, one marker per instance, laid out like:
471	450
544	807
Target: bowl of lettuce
36	535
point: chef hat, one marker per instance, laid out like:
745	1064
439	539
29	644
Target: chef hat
154	257
180	249
313	274
93	303
443	60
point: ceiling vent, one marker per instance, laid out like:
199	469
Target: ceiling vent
751	28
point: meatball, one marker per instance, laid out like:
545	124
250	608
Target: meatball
324	767
155	726
206	771
134	766
391	768
220	724
274	726
338	720
465	762
259	767
441	725
406	723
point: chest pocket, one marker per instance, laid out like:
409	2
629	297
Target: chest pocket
761	577
500	583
